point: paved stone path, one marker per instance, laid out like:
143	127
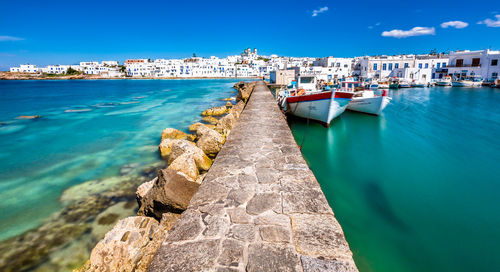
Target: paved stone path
259	208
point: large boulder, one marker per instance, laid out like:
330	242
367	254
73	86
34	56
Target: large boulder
143	189
172	133
172	191
194	127
215	111
225	124
181	147
244	90
237	109
209	140
165	147
185	164
210	119
129	246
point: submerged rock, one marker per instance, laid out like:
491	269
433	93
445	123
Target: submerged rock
210	141
215	111
28	117
172	133
171	192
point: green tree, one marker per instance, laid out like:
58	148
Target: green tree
72	71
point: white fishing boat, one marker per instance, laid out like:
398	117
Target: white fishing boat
497	83
418	84
374	85
404	84
445	81
469	81
319	105
383	85
366	101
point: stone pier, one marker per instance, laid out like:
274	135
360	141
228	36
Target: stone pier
259	208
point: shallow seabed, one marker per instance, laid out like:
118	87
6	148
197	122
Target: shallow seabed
415	189
74	170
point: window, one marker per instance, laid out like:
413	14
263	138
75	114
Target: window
406	65
420	65
476	62
460	62
438	65
494	75
444	64
375	67
396	65
427	65
384	66
390	66
494	62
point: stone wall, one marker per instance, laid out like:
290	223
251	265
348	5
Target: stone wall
259	208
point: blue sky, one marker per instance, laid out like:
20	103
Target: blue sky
45	32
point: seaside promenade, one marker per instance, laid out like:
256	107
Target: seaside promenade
259	208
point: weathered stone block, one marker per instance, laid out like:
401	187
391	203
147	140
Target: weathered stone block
275	257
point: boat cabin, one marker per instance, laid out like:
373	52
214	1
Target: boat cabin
350	86
307	83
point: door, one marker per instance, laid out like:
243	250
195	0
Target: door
460	62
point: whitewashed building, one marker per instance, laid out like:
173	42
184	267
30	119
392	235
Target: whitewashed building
25	68
483	63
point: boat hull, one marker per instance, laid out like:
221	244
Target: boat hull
443	83
322	107
466	84
371	105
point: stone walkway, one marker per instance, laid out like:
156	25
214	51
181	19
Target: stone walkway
259	208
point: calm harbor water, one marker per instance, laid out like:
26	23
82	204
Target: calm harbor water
416	189
88	130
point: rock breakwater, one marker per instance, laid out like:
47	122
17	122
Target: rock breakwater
133	241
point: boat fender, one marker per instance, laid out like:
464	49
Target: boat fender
384	92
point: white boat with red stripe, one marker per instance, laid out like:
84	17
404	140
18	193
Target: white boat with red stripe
364	100
318	105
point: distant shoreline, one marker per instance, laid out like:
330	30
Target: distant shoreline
8	76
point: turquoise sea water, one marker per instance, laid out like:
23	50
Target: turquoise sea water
87	130
418	188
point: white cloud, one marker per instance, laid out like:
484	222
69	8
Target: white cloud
416	31
455	24
9	38
318	11
491	23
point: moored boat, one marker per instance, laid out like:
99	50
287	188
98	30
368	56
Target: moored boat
469	81
404	84
318	105
383	85
497	83
445	81
367	102
394	84
418	84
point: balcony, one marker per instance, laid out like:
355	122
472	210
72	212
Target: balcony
464	66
